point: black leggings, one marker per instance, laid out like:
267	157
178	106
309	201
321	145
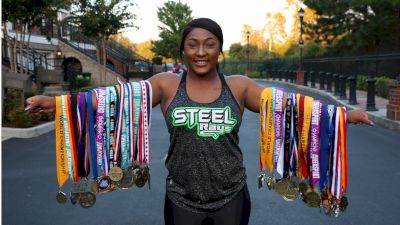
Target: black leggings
236	212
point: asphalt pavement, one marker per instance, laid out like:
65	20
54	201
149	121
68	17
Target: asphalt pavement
29	183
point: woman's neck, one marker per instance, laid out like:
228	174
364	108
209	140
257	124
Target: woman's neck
209	77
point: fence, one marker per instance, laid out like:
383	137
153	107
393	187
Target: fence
369	65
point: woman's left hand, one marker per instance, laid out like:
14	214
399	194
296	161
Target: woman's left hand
359	116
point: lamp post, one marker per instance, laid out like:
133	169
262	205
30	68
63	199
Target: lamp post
248	52
301	43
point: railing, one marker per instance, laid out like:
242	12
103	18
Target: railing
369	65
31	58
74	38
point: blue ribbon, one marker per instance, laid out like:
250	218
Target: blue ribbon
92	138
326	143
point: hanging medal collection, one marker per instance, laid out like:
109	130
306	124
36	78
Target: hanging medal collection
303	150
111	144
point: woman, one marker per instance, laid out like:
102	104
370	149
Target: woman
203	110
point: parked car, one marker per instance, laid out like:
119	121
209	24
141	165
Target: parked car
169	67
179	68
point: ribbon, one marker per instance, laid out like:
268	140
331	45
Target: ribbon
315	143
267	130
61	154
91	134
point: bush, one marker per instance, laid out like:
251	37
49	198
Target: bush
382	86
16	116
255	74
362	82
82	80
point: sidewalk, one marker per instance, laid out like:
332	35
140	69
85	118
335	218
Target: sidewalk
379	117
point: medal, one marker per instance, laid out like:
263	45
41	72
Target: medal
261	180
292	193
87	200
61	197
303	187
312	198
282	186
127	180
270	182
104	184
74	197
115	174
82	186
343	203
139	179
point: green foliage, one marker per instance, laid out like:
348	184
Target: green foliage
382	85
313	49
362	82
16	116
82	80
174	16
31	13
255	74
102	18
355	25
157	60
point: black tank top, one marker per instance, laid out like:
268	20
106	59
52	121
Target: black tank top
204	160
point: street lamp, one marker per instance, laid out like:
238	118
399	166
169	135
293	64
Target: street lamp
301	43
248	52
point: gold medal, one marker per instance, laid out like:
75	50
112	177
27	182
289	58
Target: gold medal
127	180
61	197
115	174
282	186
312	198
87	200
95	187
292	193
270	182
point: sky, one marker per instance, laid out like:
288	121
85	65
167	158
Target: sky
231	15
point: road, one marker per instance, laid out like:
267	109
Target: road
29	184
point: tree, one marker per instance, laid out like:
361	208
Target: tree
25	15
101	19
144	50
274	29
174	16
356	25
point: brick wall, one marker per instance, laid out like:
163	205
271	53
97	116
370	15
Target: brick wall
91	66
393	107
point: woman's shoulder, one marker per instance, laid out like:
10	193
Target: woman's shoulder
164	78
237	80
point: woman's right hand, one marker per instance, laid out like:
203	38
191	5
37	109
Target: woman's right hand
41	103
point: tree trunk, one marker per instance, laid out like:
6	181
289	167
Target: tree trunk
104	60
27	51
20	71
98	59
14	54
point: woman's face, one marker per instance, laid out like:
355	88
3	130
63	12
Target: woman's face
201	49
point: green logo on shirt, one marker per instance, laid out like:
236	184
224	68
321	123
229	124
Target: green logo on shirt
209	122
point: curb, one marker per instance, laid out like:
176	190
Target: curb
8	132
378	119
